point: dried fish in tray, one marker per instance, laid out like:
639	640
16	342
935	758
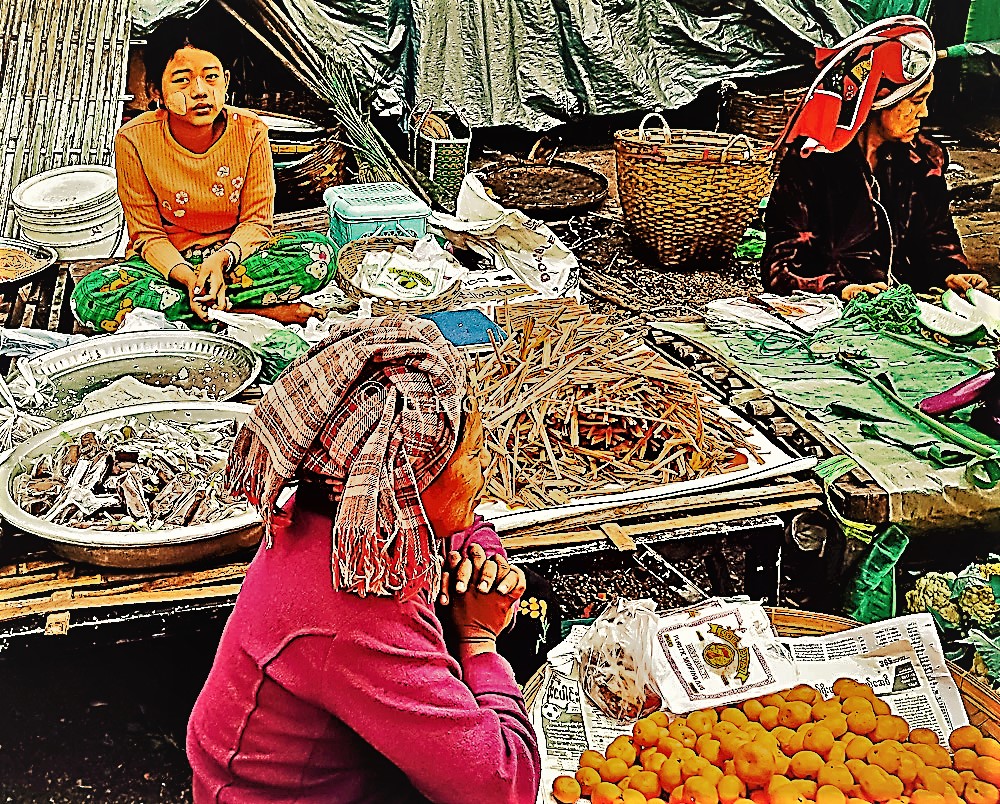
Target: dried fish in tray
110	486
88	486
573	408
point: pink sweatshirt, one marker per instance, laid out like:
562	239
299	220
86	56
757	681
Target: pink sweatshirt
323	696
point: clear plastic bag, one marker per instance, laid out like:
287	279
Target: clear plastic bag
616	660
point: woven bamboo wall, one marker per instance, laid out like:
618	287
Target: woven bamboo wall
62	77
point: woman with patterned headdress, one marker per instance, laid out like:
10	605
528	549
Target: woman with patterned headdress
861	200
335	679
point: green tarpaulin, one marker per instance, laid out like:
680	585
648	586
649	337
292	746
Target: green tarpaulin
924	476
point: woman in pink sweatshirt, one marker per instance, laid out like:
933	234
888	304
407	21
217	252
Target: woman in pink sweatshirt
333	681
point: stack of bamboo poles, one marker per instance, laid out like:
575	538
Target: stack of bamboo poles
573	407
62	77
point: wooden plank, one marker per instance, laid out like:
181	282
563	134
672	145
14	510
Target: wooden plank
727	515
751	495
618	537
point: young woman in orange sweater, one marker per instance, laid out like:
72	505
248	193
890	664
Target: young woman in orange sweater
196	182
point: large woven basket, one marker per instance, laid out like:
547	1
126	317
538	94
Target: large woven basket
688	195
762	117
350	257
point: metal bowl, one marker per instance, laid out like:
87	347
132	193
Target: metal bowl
48	256
201	361
123	549
546	189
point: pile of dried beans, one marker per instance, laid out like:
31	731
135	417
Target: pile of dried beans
573	407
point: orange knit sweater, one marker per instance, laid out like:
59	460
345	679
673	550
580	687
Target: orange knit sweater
175	199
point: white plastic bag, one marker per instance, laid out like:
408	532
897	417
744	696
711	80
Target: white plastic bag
616	656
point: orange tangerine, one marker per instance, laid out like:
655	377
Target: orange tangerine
787	794
861	721
645	732
781	763
952	779
731	743
929	778
980	792
909	766
713	774
926	797
988	769
752	709
588	779
836	775
768	717
776	781
806	765
878	785
605	793
806	787
730	788
670	774
680	731
667	744
733	715
828	794
630	796
838	753
613	770
724	727
885	755
760	797
988	747
752	727
825	708
794	744
889	727
702	721
964	737
656	800
934	755
693	767
774	699
856	703
591	759
925	736
647	783
764	737
660	718
803	692
845	687
964	759
655	762
880	707
754	764
566	789
794	713
621	749
683	753
700	791
819	739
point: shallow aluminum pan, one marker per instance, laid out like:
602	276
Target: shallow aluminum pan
119	549
48	256
206	361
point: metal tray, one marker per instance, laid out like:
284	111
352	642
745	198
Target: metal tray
47	254
120	549
546	189
198	360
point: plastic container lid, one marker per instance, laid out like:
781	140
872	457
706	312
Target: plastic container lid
374	201
66	188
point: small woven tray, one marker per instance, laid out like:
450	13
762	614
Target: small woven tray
352	254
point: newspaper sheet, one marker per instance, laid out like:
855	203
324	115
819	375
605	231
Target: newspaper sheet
901	659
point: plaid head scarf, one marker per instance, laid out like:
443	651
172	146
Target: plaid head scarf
873	69
375	411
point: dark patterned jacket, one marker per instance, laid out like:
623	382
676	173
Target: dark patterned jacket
826	220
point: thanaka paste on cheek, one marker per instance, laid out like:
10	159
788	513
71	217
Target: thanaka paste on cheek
176	102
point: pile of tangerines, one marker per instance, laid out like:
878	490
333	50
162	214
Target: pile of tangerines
789	748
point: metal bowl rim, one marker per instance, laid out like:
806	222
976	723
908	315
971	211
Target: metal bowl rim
51	258
11	512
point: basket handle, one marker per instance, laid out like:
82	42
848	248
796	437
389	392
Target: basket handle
665	128
732	142
415	129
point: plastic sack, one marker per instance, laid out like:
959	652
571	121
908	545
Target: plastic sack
871	594
277	351
142	319
616	654
25	342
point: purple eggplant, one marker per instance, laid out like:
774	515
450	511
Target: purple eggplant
960	396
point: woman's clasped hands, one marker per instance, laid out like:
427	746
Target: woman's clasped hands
481	593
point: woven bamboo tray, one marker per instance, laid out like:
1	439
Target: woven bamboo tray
350	257
981	703
688	195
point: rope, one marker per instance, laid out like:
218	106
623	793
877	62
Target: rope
893	310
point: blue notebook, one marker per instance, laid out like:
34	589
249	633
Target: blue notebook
467	328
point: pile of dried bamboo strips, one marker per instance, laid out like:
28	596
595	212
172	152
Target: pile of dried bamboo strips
573	407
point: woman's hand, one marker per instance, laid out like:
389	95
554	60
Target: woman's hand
210	286
494	574
850	291
961	282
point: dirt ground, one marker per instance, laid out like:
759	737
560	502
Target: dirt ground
106	723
